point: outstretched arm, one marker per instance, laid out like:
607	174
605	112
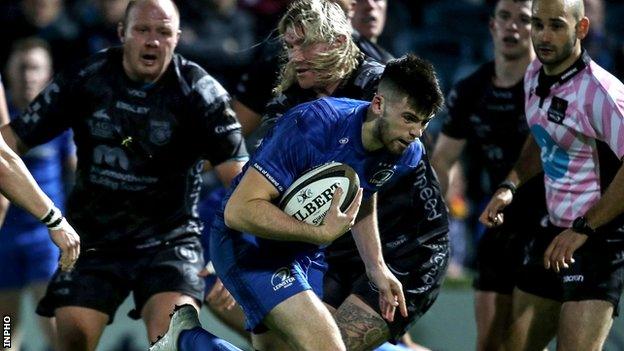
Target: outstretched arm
366	236
18	185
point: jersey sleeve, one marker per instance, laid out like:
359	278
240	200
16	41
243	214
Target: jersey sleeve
455	124
219	133
49	114
607	120
286	151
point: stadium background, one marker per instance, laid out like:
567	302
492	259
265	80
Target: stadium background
222	36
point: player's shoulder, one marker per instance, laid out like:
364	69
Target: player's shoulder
603	85
192	78
98	64
532	71
413	154
482	74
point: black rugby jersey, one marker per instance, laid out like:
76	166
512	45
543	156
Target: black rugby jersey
255	86
410	212
491	117
139	146
360	84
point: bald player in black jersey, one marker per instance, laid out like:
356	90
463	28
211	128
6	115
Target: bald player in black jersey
487	109
143	119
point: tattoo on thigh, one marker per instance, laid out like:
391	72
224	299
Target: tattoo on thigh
360	329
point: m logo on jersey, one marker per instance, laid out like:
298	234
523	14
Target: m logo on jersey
282	278
557	110
160	132
111	156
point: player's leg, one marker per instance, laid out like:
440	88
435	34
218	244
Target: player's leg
79	328
420	269
361	326
169	278
493	315
584	325
42	256
304	323
46	325
10	302
534	322
86	299
592	287
494	283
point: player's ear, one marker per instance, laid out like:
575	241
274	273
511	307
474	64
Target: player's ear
377	103
582	28
120	31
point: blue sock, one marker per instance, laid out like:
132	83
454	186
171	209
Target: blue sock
199	339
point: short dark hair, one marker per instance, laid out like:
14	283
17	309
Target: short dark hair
30	43
415	77
132	4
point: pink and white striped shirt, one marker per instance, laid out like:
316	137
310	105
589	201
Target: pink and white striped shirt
585	106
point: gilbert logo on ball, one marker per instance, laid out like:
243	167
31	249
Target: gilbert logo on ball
309	198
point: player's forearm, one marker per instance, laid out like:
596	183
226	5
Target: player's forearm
366	236
265	220
18	185
610	204
528	165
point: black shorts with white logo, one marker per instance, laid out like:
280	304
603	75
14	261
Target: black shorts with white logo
420	270
500	250
596	274
102	279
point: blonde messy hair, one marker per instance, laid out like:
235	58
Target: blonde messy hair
320	21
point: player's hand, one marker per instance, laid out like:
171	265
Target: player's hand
219	298
390	292
337	222
560	252
493	214
68	241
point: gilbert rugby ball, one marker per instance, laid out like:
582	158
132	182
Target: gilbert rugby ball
308	199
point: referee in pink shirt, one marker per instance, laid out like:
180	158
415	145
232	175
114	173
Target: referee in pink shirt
572	277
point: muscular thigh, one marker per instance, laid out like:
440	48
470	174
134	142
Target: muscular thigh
173	268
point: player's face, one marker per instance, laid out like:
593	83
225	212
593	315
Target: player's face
554	34
369	17
511	27
29	72
399	125
149	40
300	54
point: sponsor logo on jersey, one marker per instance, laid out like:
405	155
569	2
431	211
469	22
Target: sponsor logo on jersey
282	278
141	110
557	110
100	125
160	132
111	156
381	177
573	278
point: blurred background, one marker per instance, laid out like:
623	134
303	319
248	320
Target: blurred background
227	37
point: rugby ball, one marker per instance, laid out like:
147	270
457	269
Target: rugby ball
308	199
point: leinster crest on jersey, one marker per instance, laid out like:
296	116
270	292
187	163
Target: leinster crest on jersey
160	132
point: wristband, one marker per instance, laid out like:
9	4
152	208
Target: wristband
57	225
52	218
508	184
